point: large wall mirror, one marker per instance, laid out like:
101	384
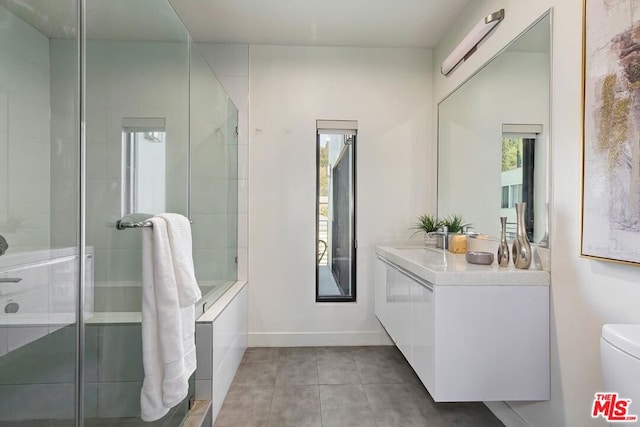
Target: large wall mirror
493	139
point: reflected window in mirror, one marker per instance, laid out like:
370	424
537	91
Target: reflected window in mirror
143	165
518	176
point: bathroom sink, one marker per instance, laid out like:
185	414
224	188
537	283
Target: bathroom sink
429	256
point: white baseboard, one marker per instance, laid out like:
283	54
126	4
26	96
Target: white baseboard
506	414
317	339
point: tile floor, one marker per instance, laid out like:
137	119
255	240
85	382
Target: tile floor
337	386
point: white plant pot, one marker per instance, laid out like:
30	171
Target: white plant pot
431	240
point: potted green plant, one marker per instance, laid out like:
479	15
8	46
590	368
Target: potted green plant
454	224
427	224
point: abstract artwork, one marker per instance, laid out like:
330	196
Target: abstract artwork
611	163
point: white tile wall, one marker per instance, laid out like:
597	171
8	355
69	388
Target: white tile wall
230	63
124	79
242	231
25	130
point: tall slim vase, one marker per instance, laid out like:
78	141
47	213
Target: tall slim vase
521	247
503	249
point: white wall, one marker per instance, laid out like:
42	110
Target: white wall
584	293
388	91
24	135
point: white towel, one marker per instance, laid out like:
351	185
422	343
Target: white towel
168	342
179	230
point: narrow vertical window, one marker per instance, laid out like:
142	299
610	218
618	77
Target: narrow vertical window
336	242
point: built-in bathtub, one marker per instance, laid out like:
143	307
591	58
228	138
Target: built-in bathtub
120	302
38	294
115	328
44	325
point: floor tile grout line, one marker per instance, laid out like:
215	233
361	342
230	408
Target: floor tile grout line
272	397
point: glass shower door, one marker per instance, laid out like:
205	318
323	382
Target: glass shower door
39	179
137	89
214	181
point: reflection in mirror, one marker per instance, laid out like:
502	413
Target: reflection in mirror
493	139
143	166
518	179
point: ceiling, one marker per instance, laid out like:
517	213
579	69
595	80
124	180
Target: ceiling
119	20
365	23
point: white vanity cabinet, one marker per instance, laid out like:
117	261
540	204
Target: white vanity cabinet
467	341
401	301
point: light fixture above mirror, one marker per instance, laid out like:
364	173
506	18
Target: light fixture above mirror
469	44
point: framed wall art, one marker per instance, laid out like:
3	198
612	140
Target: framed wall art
611	132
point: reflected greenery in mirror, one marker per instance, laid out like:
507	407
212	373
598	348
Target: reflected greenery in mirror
493	139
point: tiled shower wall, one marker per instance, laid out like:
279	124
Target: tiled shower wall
213	174
142	79
123	80
230	63
24	135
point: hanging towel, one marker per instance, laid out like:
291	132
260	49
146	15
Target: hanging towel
168	342
179	230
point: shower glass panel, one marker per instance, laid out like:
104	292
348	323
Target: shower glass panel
137	85
146	83
39	209
214	180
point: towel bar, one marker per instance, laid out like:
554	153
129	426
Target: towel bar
137	220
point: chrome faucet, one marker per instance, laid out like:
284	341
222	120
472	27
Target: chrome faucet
444	232
3	245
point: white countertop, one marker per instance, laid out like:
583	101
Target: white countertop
445	268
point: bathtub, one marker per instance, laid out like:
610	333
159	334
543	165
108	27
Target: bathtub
115	325
120	302
115	328
45	301
42	299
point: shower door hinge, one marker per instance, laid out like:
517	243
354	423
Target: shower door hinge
237	131
192	401
355	244
236	259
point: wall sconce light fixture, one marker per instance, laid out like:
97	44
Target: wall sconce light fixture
469	44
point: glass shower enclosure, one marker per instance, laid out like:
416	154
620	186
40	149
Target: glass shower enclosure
159	136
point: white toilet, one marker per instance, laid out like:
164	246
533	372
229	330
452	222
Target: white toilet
620	358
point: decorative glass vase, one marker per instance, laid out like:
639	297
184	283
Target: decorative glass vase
503	249
521	247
